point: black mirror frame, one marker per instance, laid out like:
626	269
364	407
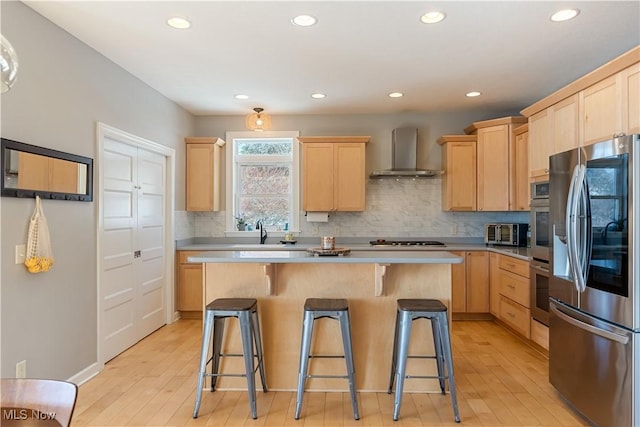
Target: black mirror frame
47	152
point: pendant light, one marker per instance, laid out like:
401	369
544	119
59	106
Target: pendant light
8	65
258	121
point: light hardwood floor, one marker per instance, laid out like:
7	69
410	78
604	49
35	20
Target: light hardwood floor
500	381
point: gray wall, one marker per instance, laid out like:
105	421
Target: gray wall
63	89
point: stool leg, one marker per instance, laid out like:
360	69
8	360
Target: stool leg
437	346
258	340
218	333
204	353
305	348
343	317
403	352
446	346
247	351
394	359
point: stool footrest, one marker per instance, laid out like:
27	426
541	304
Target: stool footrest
433	377
326	356
329	376
208	374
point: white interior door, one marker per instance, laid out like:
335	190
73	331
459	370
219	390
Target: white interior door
133	278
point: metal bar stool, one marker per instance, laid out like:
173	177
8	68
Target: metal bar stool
217	311
408	311
318	308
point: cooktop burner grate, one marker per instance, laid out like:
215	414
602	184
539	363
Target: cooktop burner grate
382	242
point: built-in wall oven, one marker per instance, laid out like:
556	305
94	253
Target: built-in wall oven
540	248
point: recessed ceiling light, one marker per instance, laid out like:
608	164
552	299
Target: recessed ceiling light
396	95
179	23
241	96
473	94
564	15
432	17
304	20
318	95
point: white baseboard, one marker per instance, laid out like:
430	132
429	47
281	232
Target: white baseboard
176	315
85	375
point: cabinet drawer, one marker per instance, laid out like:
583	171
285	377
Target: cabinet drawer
540	334
515	287
183	255
514	265
516	316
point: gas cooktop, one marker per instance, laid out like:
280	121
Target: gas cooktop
382	242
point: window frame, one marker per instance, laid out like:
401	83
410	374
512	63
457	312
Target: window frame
231	179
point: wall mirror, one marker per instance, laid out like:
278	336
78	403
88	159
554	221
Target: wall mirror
30	171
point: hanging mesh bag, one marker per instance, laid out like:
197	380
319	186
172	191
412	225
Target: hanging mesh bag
39	256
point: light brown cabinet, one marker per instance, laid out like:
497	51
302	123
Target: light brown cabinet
470	283
204	174
540	145
602	110
565	125
333	173
494	284
593	108
189	286
630	80
521	172
459	180
496	163
512	282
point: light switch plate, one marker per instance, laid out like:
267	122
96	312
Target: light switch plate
21	250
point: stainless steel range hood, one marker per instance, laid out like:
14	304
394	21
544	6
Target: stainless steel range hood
404	150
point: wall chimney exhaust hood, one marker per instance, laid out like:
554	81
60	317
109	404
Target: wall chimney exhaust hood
404	153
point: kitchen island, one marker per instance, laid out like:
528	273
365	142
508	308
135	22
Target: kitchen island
371	281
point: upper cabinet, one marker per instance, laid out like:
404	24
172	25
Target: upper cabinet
601	110
459	179
204	173
599	105
333	173
496	168
521	168
483	169
630	80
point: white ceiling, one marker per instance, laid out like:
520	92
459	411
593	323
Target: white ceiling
356	54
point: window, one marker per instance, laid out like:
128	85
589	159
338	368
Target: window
262	172
607	179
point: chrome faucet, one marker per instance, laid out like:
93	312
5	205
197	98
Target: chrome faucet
263	232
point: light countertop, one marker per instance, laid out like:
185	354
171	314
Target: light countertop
299	256
516	252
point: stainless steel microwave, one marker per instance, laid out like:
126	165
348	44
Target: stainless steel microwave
506	234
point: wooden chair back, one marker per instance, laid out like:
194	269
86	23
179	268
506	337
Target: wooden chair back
50	399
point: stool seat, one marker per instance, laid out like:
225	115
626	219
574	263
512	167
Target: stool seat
432	305
325	304
319	308
232	304
217	311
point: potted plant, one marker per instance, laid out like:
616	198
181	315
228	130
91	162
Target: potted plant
240	222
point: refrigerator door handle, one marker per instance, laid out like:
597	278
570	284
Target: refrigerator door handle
580	243
572	204
612	336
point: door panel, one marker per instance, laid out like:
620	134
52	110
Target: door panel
118	284
132	287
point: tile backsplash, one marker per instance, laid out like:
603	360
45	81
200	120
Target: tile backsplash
395	208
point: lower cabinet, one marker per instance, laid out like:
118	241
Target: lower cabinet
189	286
470	283
510	298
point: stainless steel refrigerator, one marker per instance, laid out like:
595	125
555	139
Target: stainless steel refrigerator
594	290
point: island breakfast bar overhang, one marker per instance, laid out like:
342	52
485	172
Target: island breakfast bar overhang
371	281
